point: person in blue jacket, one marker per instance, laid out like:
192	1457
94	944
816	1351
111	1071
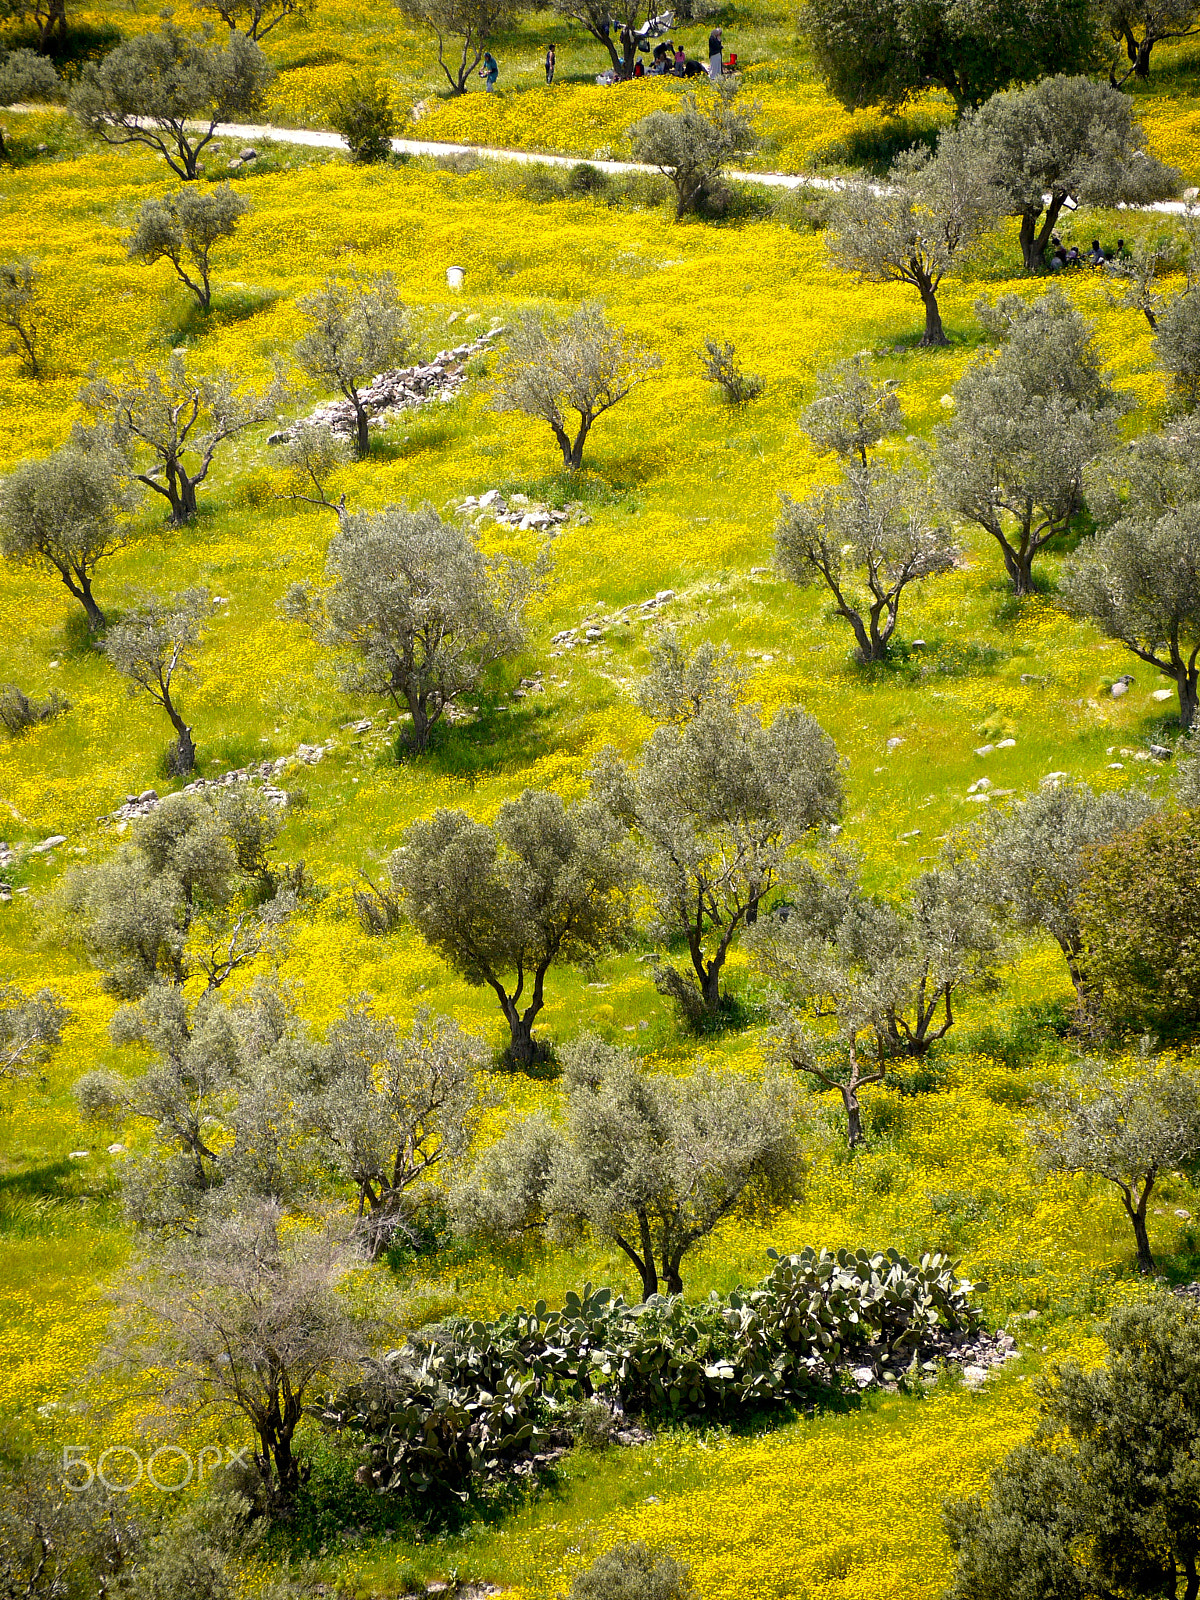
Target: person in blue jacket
489	70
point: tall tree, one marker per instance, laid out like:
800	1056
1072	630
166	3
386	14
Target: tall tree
179	419
582	363
878	529
1137	26
1138	579
356	328
184	229
694	145
1029	420
503	904
887	52
651	1161
1128	1131
60	514
419	612
392	1108
1034	859
916	229
255	18
611	23
1066	141
717	804
171	91
152	646
470	24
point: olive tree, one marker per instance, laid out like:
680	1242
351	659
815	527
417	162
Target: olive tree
1138	579
219	1104
30	1029
170	91
173	903
878	529
503	903
1154	258
694	145
651	1161
582	363
1029	420
717	804
184	229
24	312
153	644
25	75
611	23
917	227
1177	342
255	18
887	52
60	514
245	1321
1101	1500
1137	26
311	455
1128	1131
1064	142
178	419
417	611
465	27
356	328
1034	859
393	1107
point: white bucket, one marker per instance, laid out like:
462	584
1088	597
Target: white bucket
455	276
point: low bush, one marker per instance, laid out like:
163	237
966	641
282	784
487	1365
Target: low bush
633	1572
364	116
18	712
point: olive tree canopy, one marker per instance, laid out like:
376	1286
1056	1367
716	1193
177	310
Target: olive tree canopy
916	228
887	52
717	804
356	328
177	418
154	86
1128	1131
416	609
652	1161
60	514
183	229
580	363
1029	420
502	904
25	75
1137	26
1065	141
1138	579
30	1029
693	146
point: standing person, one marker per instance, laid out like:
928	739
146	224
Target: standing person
680	62
714	54
549	64
489	70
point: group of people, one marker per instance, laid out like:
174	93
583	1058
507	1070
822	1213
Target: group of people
668	61
1060	258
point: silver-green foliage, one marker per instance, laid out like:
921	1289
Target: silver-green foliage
416	610
1138	579
356	328
1029	420
183	229
694	145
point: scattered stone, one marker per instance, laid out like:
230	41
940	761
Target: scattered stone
1121	687
1160	752
978	798
48	844
892	744
760	572
1116	766
77	1155
1006	744
974	1376
439	379
233	164
1184	1216
984	749
1053	777
117	1149
663	595
248	154
1031	680
980	783
1161	694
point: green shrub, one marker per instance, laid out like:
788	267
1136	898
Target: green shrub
633	1572
364	116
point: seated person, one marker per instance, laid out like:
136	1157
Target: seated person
1095	255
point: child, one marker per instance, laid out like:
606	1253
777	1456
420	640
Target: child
549	64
